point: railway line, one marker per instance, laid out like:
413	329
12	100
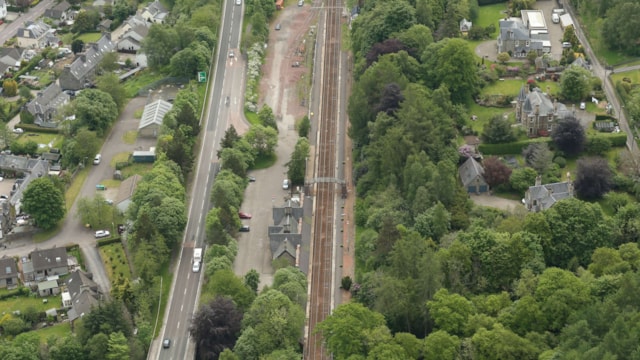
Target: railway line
326	185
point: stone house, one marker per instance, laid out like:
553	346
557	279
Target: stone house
131	41
541	197
285	235
81	294
82	71
130	23
519	36
9	275
155	12
472	176
45	105
36	35
537	113
465	26
9	59
58	13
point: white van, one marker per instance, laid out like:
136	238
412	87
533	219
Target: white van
197	254
555	18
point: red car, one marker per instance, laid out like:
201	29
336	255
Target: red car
244	215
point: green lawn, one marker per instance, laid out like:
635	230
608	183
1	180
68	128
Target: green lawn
264	162
130	137
513	86
484	114
41	138
89	37
136	168
491	14
140	80
115	261
252	117
57	331
167	277
22	303
634	76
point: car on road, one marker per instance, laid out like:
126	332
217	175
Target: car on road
251	178
166	343
102	233
244	215
278	26
18	131
300	2
245	228
555	18
238	2
196	266
583	105
285	184
232	54
97	159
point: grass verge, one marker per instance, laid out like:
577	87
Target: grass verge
130	137
115	262
265	162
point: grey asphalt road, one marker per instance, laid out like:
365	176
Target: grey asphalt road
183	299
10	30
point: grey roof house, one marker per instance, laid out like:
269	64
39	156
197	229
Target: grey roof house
82	294
519	36
48	288
36	35
131	41
9	59
82	71
465	26
3	9
45	263
155	12
285	234
152	117
472	176
8	273
45	105
537	113
130	23
125	192
59	12
21	165
541	197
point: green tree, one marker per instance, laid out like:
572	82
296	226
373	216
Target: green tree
575	83
263	139
170	219
620	26
504	57
10	87
378	24
569	136
560	293
434	223
77	45
96	212
44	202
344	331
267	118
215	327
439	345
498	130
67	348
226	283
110	84
159	45
95	109
297	165
81	148
501	343
86	21
252	280
521	179
304	126
451	63
450	311
25	93
594	178
117	348
109	63
293	283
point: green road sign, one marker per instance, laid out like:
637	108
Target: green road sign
202	76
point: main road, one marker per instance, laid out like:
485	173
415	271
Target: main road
227	81
10	29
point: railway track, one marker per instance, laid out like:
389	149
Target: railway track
326	187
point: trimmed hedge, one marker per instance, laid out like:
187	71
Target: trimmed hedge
605	117
109	241
21	291
617	140
36	128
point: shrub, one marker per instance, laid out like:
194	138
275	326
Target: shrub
346	283
562	162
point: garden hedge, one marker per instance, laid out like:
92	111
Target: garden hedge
21	291
109	241
38	129
617	140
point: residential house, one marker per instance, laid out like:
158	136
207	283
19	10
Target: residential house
565	20
519	36
3	9
9	59
472	176
125	192
48	288
45	263
541	197
82	71
465	26
28	168
102	3
285	235
105	25
130	23
131	41
36	35
537	113
155	12
8	273
81	295
58	13
152	116
45	105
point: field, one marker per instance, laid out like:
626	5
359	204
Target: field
115	261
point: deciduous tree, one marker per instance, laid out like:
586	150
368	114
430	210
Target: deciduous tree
594	178
575	83
297	165
44	202
495	171
498	130
215	327
95	109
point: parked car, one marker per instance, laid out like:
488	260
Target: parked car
244	215
97	159
196	266
583	105
251	178
285	184
555	18
245	228
232	54
102	233
166	343
18	131
300	2
238	2
278	26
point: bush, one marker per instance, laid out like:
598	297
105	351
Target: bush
509	148
346	283
562	162
36	128
21	291
109	241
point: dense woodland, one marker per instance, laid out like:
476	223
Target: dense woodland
438	278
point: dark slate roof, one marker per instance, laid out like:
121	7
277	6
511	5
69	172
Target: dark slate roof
82	65
8	268
156	8
548	194
33	30
10	56
49	258
470	170
279	213
83	303
513	29
78	281
285	247
51	97
57	11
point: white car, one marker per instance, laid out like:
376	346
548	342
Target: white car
97	159
18	131
196	266
102	233
583	105
285	184
238	2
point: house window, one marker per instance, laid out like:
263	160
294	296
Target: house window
527	43
549	127
517	42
